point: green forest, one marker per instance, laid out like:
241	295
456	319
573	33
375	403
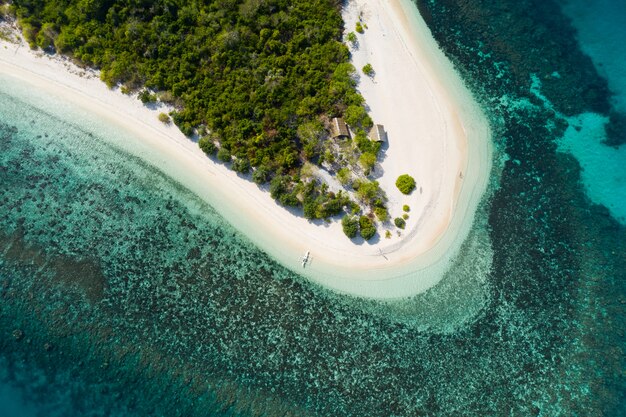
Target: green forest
257	80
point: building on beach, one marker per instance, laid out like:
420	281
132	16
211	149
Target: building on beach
339	128
378	134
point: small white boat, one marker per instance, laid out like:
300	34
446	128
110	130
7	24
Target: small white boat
305	258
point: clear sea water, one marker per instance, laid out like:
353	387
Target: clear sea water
601	30
123	294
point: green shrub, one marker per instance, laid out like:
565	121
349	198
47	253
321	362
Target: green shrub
261	175
289	200
359	27
46	36
279	186
146	97
224	155
365	144
406	208
164	118
351	37
405	216
241	165
367	191
381	213
334	206
186	129
350	226
387	234
310	208
329	157
206	144
343	175
399	222
405	183
30	33
368	70
356	116
367	161
367	227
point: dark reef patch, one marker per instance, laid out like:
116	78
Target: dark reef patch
82	275
557	254
616	129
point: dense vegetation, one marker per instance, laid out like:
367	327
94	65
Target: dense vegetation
257	80
250	71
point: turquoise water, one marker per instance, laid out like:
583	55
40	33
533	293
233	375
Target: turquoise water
14	403
123	246
601	30
604	167
123	294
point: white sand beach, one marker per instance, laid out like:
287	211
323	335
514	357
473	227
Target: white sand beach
436	132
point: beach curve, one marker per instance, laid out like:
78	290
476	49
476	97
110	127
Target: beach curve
452	168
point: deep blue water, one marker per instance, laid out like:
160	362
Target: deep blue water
123	294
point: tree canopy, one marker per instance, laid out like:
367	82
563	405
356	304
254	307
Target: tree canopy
258	80
252	71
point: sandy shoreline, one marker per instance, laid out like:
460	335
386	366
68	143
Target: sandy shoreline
436	133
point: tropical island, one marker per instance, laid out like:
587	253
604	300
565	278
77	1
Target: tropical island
396	153
265	86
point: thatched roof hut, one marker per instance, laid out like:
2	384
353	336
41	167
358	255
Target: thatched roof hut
339	128
378	134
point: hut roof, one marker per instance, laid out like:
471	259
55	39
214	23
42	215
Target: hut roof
340	129
378	134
